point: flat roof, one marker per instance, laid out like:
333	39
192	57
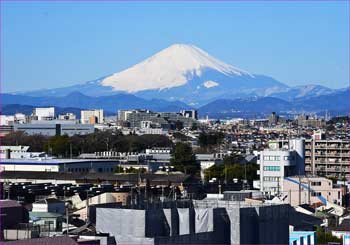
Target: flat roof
35	175
54	161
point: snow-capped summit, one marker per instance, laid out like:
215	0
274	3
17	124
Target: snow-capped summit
171	67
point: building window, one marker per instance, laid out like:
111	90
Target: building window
315	194
272	168
315	183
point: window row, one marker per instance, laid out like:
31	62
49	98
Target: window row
272	168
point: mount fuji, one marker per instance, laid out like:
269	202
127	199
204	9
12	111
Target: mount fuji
188	74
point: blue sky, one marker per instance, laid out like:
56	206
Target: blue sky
54	44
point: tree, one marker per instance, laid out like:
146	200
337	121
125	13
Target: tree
58	145
228	172
183	159
210	139
324	237
179	125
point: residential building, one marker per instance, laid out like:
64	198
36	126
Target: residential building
299	190
307	121
189	113
92	116
302	238
327	157
277	162
48	221
165	120
12	214
51	205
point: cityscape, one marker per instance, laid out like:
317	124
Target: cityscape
174	146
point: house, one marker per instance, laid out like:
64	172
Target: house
47	221
12	214
51	205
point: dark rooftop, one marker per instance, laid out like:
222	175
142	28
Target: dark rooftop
9	204
58	240
174	178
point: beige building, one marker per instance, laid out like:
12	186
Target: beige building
310	190
91	116
327	157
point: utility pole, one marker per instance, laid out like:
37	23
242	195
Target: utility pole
71	151
308	192
87	205
67	211
299	190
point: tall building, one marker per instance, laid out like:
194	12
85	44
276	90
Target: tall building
327	157
47	113
277	162
92	116
189	113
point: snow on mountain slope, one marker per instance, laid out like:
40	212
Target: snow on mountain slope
171	67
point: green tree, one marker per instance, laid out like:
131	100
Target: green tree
228	172
183	159
324	237
210	139
58	146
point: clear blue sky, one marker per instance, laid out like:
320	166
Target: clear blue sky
47	45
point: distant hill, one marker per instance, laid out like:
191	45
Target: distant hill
110	103
336	103
27	109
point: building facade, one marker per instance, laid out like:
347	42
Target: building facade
277	162
92	116
47	113
327	157
55	128
299	190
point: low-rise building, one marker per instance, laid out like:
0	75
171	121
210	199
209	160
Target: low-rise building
55	128
59	165
51	205
310	190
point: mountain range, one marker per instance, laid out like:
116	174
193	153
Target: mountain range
184	76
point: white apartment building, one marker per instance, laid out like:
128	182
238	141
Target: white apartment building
327	157
8	120
47	113
277	162
92	116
